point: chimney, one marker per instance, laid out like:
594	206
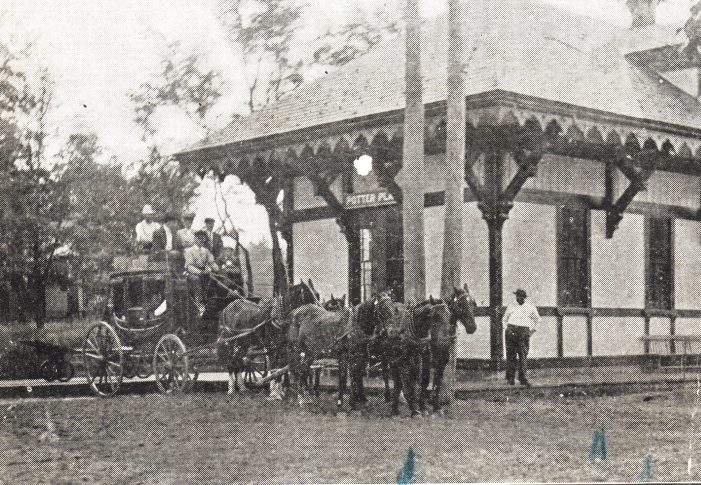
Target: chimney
643	12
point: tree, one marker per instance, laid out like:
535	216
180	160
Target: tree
354	39
184	83
264	31
34	200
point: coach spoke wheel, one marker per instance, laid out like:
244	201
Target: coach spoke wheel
256	367
64	371
46	371
103	359
170	365
143	369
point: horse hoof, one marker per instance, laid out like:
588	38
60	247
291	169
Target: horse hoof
415	414
394	413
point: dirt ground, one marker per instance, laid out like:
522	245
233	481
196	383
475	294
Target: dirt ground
212	438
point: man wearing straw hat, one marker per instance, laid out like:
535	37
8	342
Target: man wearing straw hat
146	228
521	318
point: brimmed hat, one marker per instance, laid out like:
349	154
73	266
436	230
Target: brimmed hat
189	215
520	292
201	235
148	211
209	219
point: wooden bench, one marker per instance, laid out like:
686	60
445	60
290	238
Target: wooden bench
687	347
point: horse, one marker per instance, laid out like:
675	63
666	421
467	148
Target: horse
331	305
404	345
461	306
418	339
317	333
335	304
265	322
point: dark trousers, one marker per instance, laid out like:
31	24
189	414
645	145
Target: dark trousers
517	341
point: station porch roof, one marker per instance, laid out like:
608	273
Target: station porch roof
521	47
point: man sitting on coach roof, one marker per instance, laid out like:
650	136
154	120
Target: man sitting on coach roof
145	229
199	262
186	235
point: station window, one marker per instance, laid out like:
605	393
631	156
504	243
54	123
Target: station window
365	263
573	257
659	275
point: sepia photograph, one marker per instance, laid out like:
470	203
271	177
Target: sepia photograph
350	241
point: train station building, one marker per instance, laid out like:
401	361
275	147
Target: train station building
582	187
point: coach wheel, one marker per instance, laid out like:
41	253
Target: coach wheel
64	370
103	359
170	365
143	369
46	371
256	367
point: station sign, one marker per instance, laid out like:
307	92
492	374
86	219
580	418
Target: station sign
368	199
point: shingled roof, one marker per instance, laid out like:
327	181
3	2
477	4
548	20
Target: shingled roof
519	46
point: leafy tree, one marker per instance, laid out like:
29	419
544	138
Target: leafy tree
34	200
354	39
183	82
265	31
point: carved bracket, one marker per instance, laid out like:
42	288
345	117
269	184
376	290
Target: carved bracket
638	177
322	186
495	203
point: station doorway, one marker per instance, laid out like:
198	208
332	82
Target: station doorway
379	262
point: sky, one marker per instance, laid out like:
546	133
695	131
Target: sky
100	51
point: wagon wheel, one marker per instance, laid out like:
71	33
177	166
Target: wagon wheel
143	368
103	359
256	366
130	366
170	365
46	371
64	371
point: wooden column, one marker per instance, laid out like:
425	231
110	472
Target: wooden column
287	232
413	161
451	274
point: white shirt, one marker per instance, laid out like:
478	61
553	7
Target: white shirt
169	237
525	315
145	230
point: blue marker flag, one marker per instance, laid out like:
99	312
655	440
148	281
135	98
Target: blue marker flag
598	446
407	472
646	476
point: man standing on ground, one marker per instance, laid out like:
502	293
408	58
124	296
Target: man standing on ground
520	319
215	243
146	228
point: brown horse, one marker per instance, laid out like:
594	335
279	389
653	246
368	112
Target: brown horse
332	305
404	344
316	333
418	339
267	322
462	308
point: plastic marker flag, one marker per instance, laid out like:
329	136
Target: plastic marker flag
598	447
407	472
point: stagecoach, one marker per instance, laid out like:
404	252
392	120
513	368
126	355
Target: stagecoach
152	326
